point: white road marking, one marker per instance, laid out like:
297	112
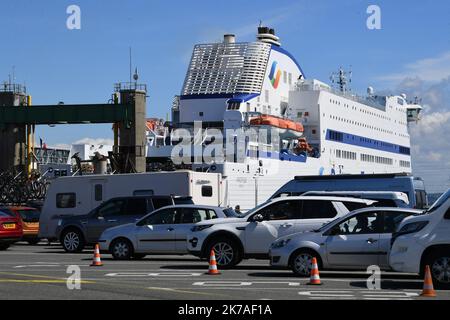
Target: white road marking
241	283
221	284
146	274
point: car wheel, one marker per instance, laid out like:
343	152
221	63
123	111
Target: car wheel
301	262
138	256
121	249
226	251
439	263
72	241
4	246
33	242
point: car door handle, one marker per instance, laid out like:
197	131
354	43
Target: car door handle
285	225
170	229
112	220
371	240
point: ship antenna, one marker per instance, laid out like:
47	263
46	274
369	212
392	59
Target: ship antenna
342	78
131	72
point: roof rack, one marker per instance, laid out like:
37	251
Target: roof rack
353	176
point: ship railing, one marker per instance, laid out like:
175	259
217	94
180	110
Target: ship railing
360	99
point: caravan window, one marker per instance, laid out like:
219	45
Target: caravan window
66	200
98	192
143	193
207	191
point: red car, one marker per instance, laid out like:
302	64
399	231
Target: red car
11	229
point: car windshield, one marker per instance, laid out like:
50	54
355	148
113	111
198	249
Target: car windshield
251	211
230	213
438	203
325	226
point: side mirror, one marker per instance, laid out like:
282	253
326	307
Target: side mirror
258	218
334	231
447	214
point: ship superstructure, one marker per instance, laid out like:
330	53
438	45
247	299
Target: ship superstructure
310	128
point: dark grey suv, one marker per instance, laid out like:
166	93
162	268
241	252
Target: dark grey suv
75	232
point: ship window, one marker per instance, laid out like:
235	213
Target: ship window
284	76
290	78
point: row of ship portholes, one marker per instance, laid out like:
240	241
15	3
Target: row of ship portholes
350	155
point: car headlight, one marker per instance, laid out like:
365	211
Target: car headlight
280	243
408	229
201	227
412	227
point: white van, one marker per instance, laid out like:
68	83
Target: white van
80	194
424	239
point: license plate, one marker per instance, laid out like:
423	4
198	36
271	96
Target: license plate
9	226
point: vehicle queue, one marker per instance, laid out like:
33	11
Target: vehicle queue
341	231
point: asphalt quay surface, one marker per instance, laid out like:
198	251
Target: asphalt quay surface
41	272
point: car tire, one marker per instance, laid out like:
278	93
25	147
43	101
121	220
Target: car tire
121	249
227	252
138	256
439	262
300	262
33	242
72	241
4	246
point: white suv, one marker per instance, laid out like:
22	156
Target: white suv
251	235
424	239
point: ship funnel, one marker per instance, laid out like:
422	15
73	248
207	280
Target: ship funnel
229	38
267	35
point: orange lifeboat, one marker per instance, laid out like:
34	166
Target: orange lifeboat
286	127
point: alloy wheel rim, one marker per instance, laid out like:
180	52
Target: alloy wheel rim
441	269
121	249
71	241
224	253
302	263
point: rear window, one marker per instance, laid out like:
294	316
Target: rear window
4	214
161	202
29	215
66	200
7	212
318	209
385	203
136	207
351	206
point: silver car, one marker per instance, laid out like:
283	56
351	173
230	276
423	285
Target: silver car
162	231
359	239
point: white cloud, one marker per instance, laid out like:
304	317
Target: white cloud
95	141
428	69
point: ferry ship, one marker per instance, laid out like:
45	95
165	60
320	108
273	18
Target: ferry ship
316	129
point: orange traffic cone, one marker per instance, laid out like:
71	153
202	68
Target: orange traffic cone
428	289
315	278
97	262
212	264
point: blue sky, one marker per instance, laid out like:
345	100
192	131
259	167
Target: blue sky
81	66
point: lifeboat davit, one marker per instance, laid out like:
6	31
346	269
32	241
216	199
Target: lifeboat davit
286	128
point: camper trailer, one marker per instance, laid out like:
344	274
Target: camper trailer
80	194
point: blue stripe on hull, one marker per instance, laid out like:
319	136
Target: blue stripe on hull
360	141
